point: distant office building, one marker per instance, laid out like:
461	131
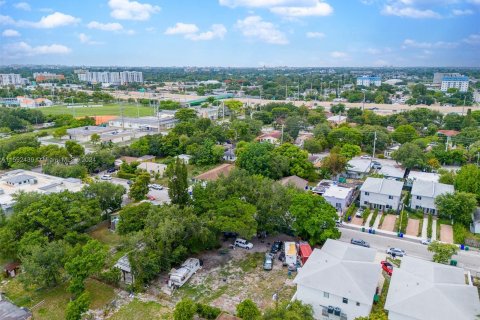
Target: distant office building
438	76
112	78
460	83
46	76
368	81
7	79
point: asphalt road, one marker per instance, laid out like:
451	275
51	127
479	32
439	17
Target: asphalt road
469	260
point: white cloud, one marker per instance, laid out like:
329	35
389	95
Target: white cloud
409	12
85	39
23	49
10	33
131	10
473	39
288	8
22	6
114	26
6	20
317	35
256	27
182	28
459	12
380	63
216	31
54	20
428	45
338	54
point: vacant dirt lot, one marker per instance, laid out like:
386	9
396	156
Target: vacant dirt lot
412	227
446	233
389	222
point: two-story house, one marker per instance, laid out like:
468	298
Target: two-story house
424	194
381	194
339	281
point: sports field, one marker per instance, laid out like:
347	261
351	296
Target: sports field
129	110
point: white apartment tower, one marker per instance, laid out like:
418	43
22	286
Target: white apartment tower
7	79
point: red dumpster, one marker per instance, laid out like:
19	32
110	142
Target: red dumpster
305	251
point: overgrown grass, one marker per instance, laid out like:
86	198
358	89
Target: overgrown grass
350	212
365	215
251	262
104	235
382	219
396	262
429	226
420	227
142	310
378	308
403	221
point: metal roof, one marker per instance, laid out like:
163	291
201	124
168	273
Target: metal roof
19	178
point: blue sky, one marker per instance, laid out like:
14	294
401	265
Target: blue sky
241	33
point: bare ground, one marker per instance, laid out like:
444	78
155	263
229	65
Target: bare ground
446	233
412	227
389	222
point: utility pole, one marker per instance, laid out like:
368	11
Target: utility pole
374	144
281	141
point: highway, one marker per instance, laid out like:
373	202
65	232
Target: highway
469	260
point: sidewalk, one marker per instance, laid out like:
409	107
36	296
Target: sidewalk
434	229
424	228
377	221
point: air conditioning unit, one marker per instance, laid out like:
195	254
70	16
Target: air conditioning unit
331	309
337	311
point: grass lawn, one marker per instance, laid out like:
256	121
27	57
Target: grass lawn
104	235
55	300
142	310
129	110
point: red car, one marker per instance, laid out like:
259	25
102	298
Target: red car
387	267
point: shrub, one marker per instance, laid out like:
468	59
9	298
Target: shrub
404	221
207	312
429	226
124	175
374	217
349	212
247	309
365	215
111	276
184	310
460	233
382	219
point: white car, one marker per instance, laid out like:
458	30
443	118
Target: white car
426	241
155	186
365	157
106	177
398	252
359	213
242	243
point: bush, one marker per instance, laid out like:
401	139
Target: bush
111	276
382	219
349	212
207	312
460	233
184	310
374	217
429	226
124	175
365	215
248	310
404	221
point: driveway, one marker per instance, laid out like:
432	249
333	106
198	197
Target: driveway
412	227
389	222
357	221
446	233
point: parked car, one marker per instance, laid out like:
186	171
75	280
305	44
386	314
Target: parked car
426	241
376	165
129	182
396	251
229	235
149	197
111	170
338	222
387	267
360	242
366	157
155	186
359	213
106	177
276	246
268	261
242	243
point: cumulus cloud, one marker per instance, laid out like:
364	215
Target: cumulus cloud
23	49
428	45
5	20
288	8
316	35
459	12
54	20
409	12
131	10
338	54
10	33
22	6
473	39
114	26
255	27
181	28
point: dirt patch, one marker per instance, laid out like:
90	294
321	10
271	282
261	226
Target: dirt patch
446	233
412	227
357	221
389	222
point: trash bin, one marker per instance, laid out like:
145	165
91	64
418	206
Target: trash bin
401	235
467	248
453	263
376	298
462	247
363	229
369	230
349	219
373	231
398	234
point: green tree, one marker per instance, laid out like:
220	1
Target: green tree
442	252
337	108
178	182
314	218
139	189
314	145
297	160
447	176
404	133
23	158
185	309
132	217
248	310
186	114
95	138
109	195
235	215
74	148
458	206
349	150
59	132
343	135
235	106
468	180
295	310
99	160
334	164
410	156
259	158
77	307
89	260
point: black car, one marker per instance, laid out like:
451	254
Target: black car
229	235
111	170
276	246
359	242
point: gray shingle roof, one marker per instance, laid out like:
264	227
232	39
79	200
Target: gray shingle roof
19	178
430	188
9	311
383	186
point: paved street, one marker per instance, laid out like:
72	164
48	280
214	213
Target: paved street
470	260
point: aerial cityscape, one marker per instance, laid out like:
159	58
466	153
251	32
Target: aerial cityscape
240	159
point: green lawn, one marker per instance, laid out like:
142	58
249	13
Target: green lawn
142	310
55	300
103	234
129	110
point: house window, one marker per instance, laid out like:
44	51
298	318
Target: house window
367	193
326	295
390	197
345	300
419	198
358	304
365	202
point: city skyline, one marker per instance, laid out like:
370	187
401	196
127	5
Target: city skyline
242	33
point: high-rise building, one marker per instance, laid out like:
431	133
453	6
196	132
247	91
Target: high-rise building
368	81
46	76
438	76
460	83
7	79
131	77
114	78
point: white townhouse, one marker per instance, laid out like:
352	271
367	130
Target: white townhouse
381	194
424	194
339	281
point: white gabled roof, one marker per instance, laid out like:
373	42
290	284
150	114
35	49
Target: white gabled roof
383	186
430	189
342	269
422	289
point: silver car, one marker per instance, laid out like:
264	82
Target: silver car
268	262
396	251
